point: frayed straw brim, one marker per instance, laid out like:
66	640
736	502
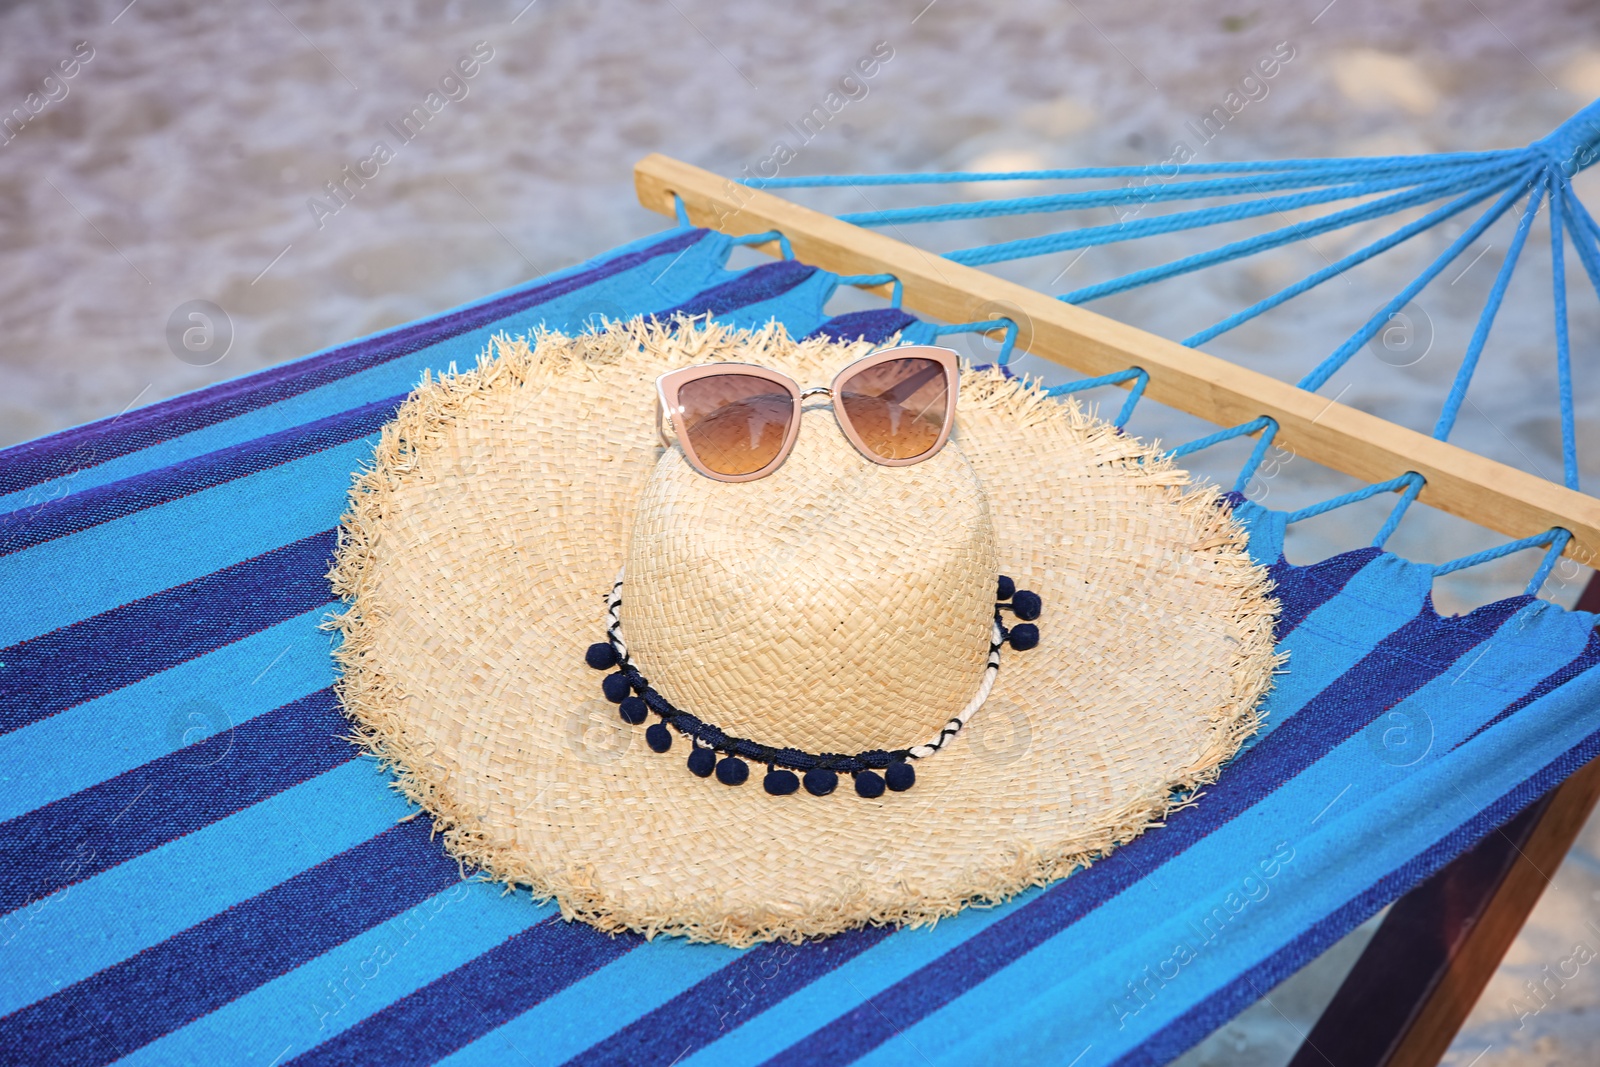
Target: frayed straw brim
476	556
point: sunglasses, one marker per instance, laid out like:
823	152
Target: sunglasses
739	421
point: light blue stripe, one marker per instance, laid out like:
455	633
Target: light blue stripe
596	1006
1378	599
69	935
104	737
699	268
1532	645
326	996
390	379
132	557
867	975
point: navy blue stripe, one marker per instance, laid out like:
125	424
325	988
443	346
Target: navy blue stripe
80	511
97	828
63	668
1210	1013
1583	661
765	282
459	1007
1401	664
876	325
197	971
727	999
1302	590
96	442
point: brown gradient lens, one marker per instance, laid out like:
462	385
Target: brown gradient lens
898	407
735	423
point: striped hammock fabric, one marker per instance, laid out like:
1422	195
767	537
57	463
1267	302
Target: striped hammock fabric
196	867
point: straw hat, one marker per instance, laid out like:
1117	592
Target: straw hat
835	606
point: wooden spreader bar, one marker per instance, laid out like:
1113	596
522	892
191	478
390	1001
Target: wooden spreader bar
1460	482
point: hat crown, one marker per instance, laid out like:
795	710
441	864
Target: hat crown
837	605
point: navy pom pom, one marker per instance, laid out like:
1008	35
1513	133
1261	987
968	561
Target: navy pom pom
658	737
1026	604
601	656
1007	589
900	776
633	711
780	783
869	785
702	761
616	687
1023	636
820	782
733	771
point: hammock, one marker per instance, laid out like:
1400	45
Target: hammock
196	868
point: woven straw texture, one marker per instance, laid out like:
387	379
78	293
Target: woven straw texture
836	604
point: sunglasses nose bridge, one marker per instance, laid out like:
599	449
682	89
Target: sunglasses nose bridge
815	390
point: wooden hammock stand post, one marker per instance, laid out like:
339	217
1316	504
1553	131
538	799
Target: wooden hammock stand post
1425	967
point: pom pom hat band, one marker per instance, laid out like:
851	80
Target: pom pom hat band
634	709
835	604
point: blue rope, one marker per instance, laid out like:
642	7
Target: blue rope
1311	281
1134	194
1138	374
1134	396
1441	159
1557	546
988	326
1491	307
1583	240
763	238
1584	235
1213	216
1589	224
1351	497
869	281
682	212
1329	367
1257	454
1244	429
1577	137
1407	498
1555	534
1558	283
1264	242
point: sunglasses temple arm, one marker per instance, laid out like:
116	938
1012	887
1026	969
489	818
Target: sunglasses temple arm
661	429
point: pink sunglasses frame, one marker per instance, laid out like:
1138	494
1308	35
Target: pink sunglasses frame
669	384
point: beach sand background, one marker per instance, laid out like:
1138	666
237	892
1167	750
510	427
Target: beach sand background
186	157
